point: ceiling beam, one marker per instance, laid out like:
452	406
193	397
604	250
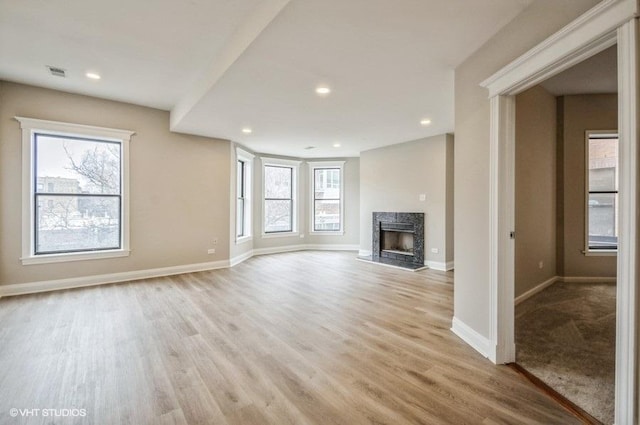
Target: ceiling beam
241	39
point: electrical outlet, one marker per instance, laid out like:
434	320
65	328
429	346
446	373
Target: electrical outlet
215	241
422	197
435	250
302	235
211	251
540	265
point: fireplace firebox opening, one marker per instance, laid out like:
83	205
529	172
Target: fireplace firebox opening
397	242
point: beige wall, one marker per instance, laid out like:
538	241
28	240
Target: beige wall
392	179
535	189
582	113
550	185
472	111
179	186
450	201
550	191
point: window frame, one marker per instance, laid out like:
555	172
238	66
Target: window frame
320	165
588	251
294	166
246	158
30	127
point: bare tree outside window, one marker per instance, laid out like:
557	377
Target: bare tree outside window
278	199
78	194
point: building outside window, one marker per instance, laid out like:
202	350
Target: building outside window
602	192
75	183
327	197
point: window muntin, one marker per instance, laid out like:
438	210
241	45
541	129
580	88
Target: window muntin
327	200
602	192
278	199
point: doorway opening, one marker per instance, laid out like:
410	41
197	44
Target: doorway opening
566	221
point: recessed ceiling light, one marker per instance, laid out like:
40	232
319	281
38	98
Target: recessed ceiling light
323	90
425	122
336	145
93	76
247	130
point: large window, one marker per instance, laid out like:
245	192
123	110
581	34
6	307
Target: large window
602	192
243	193
279	180
327	196
74	180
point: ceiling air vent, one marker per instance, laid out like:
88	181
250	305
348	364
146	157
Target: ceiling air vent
58	72
308	148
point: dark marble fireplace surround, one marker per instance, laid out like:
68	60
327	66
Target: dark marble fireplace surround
398	239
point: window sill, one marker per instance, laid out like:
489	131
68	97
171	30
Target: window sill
601	253
243	239
279	235
326	233
76	256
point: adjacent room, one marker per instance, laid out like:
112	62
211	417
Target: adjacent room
567	226
293	211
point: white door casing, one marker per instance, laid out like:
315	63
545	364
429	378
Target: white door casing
608	23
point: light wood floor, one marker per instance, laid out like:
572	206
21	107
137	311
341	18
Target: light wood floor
298	338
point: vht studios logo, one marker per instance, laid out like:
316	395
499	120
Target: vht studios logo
58	413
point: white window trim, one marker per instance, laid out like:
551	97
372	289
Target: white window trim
295	165
247	158
312	167
588	252
29	126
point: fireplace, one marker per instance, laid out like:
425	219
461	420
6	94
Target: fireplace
398	239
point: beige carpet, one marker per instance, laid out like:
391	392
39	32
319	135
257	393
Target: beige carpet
565	335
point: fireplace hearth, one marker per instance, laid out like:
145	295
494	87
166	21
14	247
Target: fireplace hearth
398	239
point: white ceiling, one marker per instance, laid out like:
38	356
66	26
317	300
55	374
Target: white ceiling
595	75
221	65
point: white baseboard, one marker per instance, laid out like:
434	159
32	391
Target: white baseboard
304	247
279	249
588	279
568	279
439	265
538	288
240	258
79	282
331	247
435	265
478	342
